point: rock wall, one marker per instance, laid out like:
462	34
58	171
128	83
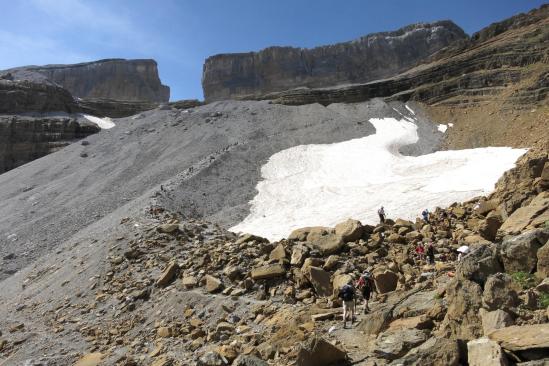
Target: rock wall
371	57
25	138
27	96
118	79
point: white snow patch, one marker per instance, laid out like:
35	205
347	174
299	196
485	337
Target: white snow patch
311	185
410	109
442	128
450	125
103	123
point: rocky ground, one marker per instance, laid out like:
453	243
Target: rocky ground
165	289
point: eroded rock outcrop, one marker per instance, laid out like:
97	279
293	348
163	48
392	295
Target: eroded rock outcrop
25	138
375	56
118	79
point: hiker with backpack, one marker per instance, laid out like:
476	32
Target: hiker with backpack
367	286
347	294
425	215
381	213
431	253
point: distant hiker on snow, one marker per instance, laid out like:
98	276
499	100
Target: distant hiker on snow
347	294
381	213
366	285
425	215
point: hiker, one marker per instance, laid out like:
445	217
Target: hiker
425	215
431	253
381	213
367	286
420	251
347	294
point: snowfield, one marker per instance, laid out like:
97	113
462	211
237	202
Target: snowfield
322	185
103	123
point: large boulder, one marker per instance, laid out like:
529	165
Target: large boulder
395	344
268	272
524	217
488	228
213	284
249	360
278	253
499	293
519	253
319	352
320	279
543	261
492	320
339	280
309	234
385	280
462	319
328	244
484	352
433	352
479	264
525	337
350	230
246	238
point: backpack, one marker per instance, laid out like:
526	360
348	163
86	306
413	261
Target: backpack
346	293
365	280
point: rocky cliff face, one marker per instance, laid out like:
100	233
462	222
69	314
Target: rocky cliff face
493	88
118	79
371	57
26	138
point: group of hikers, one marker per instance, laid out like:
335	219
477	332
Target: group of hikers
347	294
366	285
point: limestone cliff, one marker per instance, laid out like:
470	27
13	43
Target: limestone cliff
375	56
117	79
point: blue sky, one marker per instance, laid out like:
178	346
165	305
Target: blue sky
179	35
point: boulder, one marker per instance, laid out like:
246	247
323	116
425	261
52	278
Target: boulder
479	264
350	230
302	234
525	337
523	217
167	228
488	228
250	237
278	253
213	284
189	281
249	360
462	319
168	274
331	263
484	352
211	359
392	345
328	244
496	319
485	207
319	352
519	253
499	293
339	280
433	352
320	279
385	281
299	253
395	238
267	272
543	261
